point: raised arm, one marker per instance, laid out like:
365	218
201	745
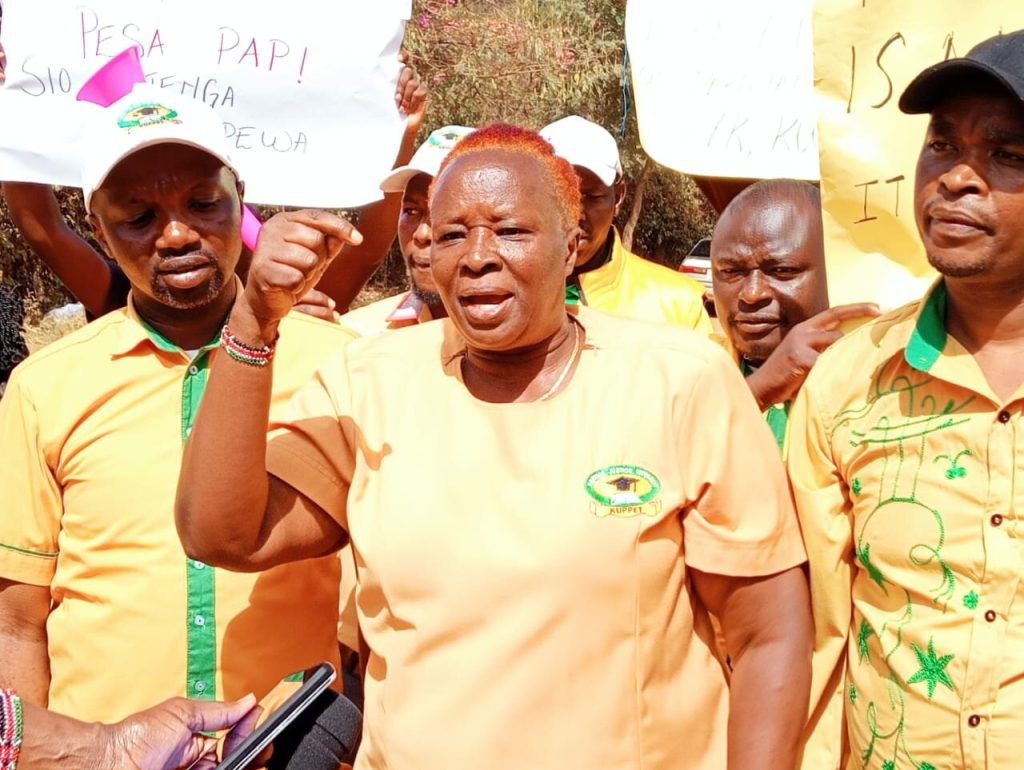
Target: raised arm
378	222
767	626
86	274
230	513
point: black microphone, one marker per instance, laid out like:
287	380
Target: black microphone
326	735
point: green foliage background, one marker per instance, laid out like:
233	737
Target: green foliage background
520	61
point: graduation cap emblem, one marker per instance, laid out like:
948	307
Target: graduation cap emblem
623	491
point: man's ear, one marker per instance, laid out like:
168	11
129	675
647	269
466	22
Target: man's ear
573	250
97	231
620	193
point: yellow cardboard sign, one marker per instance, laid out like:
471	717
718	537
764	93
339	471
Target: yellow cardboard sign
865	54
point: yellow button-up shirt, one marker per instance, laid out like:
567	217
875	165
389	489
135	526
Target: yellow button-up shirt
904	467
92	429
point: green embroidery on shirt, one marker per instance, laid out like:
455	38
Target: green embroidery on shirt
933	668
890	433
971	600
864	557
853	693
955	470
863	635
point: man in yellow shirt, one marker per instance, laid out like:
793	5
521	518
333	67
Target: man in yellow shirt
607	276
101	613
906	453
771	293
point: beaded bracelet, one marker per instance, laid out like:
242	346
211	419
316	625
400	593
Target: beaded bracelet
10	729
246	354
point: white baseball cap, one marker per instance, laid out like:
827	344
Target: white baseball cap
428	157
147	116
584	143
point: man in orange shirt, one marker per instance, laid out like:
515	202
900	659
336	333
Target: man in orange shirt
906	456
101	613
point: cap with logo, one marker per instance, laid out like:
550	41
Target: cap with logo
1000	58
584	143
144	117
427	158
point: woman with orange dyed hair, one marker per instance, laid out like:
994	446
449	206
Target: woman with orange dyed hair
542	502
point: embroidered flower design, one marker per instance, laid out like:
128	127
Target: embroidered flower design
933	669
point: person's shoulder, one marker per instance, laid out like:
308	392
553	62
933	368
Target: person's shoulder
303	325
86	343
406	343
666	278
613	332
852	360
372	318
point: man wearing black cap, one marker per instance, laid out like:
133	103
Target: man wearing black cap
905	446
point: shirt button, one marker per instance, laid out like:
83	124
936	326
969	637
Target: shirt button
973	720
199	565
200	686
996	519
1004	416
195	370
990	616
201	621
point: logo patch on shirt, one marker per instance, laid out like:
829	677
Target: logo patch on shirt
623	490
149	114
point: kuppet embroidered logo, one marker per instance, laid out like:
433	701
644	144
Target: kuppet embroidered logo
149	114
624	491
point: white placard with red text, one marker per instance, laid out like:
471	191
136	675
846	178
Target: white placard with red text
305	88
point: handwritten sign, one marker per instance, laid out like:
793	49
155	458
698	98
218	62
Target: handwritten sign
725	88
866	52
305	89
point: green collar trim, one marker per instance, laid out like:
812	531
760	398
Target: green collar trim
167	346
929	336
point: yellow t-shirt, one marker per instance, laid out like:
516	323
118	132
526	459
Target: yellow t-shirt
522	568
92	429
634	287
904	466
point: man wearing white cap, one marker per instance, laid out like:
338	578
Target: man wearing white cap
608	276
101	613
421	303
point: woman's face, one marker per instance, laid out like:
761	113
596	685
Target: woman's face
499	253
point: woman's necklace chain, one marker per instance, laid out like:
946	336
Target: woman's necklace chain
568	364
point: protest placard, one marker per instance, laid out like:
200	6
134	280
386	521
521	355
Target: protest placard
305	89
865	54
724	89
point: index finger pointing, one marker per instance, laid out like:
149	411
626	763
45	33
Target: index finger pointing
337	231
834	316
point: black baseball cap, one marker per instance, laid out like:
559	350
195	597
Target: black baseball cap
1000	58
